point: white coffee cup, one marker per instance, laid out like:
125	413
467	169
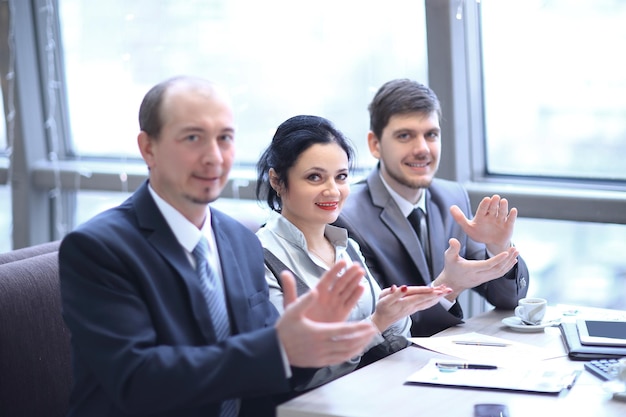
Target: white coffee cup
531	310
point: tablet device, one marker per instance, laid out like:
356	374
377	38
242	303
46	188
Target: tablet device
579	352
602	332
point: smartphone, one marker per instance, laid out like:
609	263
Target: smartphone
491	410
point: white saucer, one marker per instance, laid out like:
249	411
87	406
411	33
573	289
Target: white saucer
515	323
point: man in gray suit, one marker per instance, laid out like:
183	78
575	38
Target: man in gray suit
404	219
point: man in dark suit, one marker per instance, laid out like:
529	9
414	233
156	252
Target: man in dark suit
405	138
146	337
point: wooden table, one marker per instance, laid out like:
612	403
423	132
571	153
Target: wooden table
379	390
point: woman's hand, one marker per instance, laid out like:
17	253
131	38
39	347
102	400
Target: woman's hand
339	289
395	303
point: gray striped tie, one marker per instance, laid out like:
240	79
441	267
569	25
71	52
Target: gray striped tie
213	291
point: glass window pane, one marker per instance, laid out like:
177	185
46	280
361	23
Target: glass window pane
570	263
6	219
574	263
6	216
3	127
555	87
279	58
90	203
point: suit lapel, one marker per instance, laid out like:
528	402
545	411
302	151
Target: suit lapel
397	224
159	234
161	237
234	286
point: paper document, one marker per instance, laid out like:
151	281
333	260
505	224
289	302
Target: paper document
482	348
537	378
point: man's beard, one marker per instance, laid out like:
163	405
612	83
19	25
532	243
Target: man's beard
201	200
414	184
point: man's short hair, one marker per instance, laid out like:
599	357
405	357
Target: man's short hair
401	96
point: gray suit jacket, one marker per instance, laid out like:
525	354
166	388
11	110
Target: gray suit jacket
394	254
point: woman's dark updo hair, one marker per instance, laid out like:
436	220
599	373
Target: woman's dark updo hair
292	138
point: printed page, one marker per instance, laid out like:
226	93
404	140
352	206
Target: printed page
482	348
527	378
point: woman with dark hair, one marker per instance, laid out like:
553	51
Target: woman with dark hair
303	177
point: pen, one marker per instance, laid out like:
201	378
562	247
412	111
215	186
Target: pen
571	379
467	342
454	365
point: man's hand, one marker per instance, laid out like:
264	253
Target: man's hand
312	344
460	274
338	291
395	303
492	225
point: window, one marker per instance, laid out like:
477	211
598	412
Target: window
3	127
279	60
574	263
277	57
6	218
555	87
5	191
6	67
91	203
554	104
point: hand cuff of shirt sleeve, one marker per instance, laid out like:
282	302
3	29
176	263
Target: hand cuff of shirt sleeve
378	337
508	275
491	255
445	303
283	354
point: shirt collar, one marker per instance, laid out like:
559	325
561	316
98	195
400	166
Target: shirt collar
406	207
187	234
288	231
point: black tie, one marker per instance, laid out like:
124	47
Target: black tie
417	218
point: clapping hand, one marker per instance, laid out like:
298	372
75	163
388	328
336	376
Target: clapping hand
395	302
492	225
309	343
460	274
338	291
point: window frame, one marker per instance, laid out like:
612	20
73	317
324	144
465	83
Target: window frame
454	67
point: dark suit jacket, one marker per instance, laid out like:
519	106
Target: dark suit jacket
142	339
394	254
